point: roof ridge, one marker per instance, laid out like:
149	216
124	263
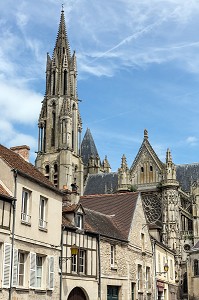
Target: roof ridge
103	195
99	213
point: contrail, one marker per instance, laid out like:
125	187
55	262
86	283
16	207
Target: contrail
136	35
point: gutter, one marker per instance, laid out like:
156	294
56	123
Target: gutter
13	231
40	182
99	267
60	263
154	269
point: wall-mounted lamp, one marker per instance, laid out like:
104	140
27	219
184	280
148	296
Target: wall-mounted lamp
74	251
166	269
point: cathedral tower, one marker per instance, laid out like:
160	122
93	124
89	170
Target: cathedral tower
60	125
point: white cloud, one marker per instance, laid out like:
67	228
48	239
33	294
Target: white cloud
192	140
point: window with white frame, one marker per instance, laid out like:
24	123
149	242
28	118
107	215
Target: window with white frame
79	221
36	270
171	269
82	259
43	213
159	263
25	208
113	255
39	264
74	263
148	277
21	268
78	262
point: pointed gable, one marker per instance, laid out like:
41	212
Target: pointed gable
147	168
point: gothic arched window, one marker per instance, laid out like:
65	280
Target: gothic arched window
54	81
53	126
65	83
184	283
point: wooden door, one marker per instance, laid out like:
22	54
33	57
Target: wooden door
77	294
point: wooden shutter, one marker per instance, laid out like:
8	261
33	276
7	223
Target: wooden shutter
32	269
15	268
51	272
7	264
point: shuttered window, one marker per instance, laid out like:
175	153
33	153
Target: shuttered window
51	272
32	269
15	268
7	265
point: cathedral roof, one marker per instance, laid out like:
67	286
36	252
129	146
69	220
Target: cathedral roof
24	168
186	174
88	147
120	206
103	183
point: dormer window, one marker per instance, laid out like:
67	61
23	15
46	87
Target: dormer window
79	221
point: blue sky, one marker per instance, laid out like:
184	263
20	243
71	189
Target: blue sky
138	67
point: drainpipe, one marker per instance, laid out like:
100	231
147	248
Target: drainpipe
13	231
99	268
154	268
60	263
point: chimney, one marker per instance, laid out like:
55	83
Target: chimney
23	151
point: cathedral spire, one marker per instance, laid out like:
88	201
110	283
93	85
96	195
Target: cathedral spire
62	45
60	121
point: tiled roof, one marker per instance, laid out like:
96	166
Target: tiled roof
4	193
102	224
121	206
104	183
186	174
25	168
69	208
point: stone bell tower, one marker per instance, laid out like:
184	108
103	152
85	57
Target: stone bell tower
60	125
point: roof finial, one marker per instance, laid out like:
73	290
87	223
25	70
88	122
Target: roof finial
62	6
145	134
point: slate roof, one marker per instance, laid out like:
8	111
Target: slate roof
88	147
121	206
103	183
24	168
186	174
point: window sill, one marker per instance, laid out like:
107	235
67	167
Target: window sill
114	268
40	291
43	229
22	289
25	223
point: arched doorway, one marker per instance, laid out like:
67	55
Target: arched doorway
77	294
